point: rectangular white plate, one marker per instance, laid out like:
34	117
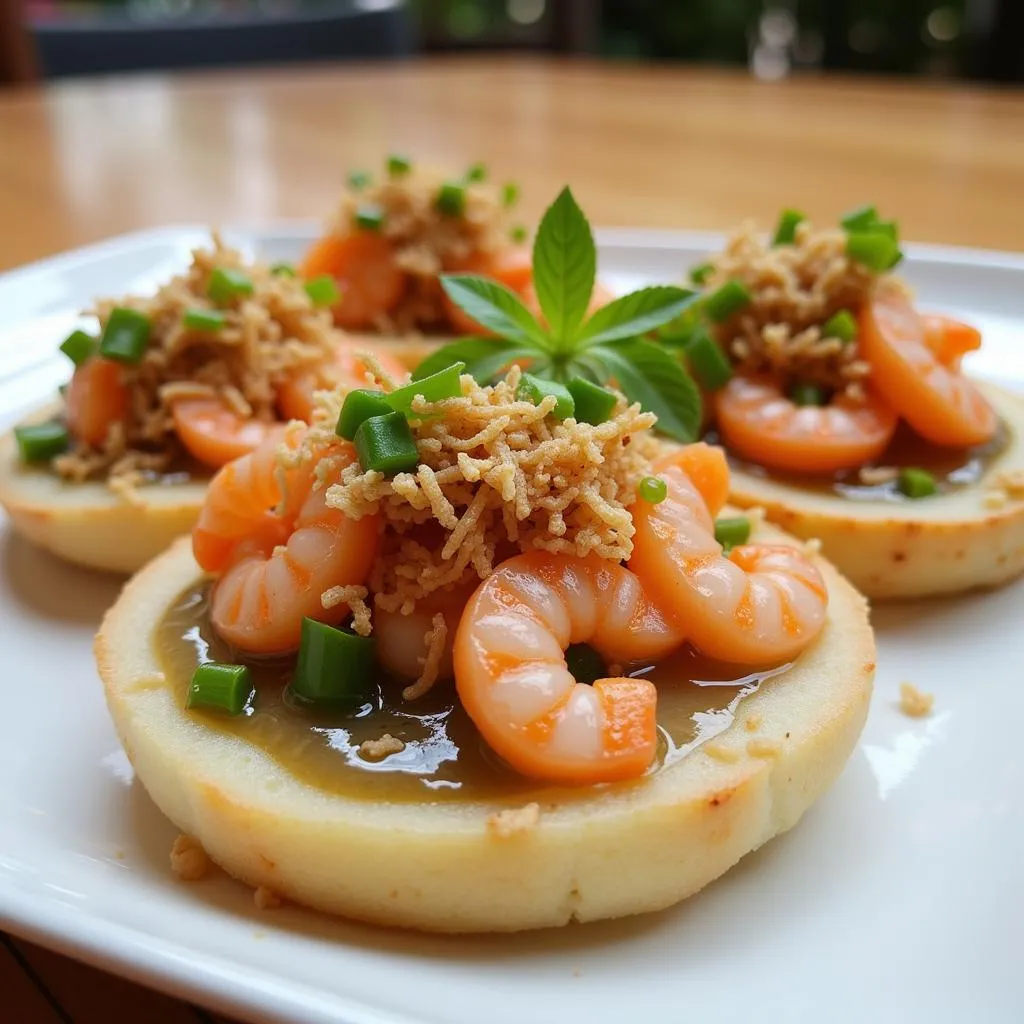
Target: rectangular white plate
900	896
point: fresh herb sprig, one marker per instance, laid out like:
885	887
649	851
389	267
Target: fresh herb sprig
606	346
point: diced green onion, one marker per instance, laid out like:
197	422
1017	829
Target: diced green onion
334	667
876	251
536	389
451	199
478	172
509	194
358	180
723	302
40	442
226	283
896	260
359	405
841	325
219	687
518	234
323	290
917	483
584	663
729	532
283	270
385	444
78	346
709	363
807	394
435	388
889	228
700	273
369	216
785	231
125	335
861	218
653	490
204	319
592	403
398	165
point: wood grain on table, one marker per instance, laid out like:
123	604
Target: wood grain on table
642	146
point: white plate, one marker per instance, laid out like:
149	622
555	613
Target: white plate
898	898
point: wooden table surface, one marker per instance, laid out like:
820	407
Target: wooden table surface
645	147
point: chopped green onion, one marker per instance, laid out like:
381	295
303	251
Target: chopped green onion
509	194
125	335
385	444
785	232
226	283
283	270
841	325
917	483
398	165
451	199
359	405
369	216
732	531
896	260
518	234
40	442
700	273
323	290
584	663
653	490
861	218
592	403
204	319
334	667
220	688
708	362
435	388
876	251
889	228
78	346
807	394
730	298
478	172
536	389
358	180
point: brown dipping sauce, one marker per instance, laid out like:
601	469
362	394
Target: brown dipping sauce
444	756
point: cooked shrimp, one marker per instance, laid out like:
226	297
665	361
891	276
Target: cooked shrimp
363	264
949	340
277	547
96	399
511	267
215	434
926	388
512	678
758	422
761	605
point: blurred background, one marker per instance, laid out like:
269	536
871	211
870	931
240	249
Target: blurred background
944	39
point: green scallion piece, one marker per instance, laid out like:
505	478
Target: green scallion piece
592	403
358	180
125	335
40	442
700	273
385	444
323	290
861	218
807	394
916	483
435	388
518	234
729	532
451	198
398	165
369	216
78	346
226	283
653	490
359	405
841	325
477	172
219	687
785	231
707	361
509	194
585	664
726	300
204	319
889	228
283	270
334	667
536	389
876	251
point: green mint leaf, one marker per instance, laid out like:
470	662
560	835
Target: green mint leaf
681	330
485	358
564	265
647	374
495	307
636	313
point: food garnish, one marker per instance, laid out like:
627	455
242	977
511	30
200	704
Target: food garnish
217	687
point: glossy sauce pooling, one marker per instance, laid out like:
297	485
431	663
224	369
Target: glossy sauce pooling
444	757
